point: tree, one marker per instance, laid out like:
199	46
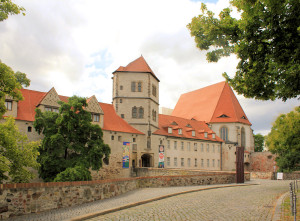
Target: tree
72	144
284	140
16	154
258	142
266	41
8	8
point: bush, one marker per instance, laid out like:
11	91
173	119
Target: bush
76	173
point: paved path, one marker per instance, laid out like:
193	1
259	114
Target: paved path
253	202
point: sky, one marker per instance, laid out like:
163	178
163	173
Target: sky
74	46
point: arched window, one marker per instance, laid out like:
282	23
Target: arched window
243	138
141	112
134	112
139	86
224	133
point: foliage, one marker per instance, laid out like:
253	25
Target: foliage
258	142
266	41
284	140
16	153
7	7
10	83
77	173
70	140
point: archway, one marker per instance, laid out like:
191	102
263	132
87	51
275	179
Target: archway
146	160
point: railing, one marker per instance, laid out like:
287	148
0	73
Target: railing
293	197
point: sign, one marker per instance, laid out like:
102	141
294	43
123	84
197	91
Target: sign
126	154
161	156
279	176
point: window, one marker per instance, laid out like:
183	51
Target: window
202	163
112	137
48	109
189	162
134	112
182	162
213	148
207	148
193	133
195	146
218	163
182	145
121	87
189	146
175	161
133	139
202	148
141	112
134	147
214	136
53	109
207	163
179	131
122	116
132	86
168	144
139	86
168	161
56	110
224	133
121	100
154	90
205	134
8	105
169	130
213	163
96	117
153	115
119	138
175	145
29	129
196	162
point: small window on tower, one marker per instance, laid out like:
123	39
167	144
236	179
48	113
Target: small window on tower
121	87
122	116
139	86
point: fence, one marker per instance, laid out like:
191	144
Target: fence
293	197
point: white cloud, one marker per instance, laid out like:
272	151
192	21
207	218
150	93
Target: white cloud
76	45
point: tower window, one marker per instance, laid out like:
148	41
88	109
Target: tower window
224	133
122	116
153	115
121	100
134	112
139	86
141	112
132	86
121	87
154	90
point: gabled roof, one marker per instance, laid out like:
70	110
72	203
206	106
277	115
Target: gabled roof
113	122
138	65
26	111
187	126
215	103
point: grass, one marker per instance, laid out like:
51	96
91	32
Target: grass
286	212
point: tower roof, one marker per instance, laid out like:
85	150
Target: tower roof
138	65
212	104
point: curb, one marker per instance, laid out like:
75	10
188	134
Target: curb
92	215
277	208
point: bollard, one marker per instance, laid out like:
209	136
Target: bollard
291	198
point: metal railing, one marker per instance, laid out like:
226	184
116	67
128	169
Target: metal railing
293	197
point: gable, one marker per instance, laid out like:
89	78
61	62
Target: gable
93	105
50	99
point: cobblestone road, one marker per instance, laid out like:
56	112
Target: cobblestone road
232	203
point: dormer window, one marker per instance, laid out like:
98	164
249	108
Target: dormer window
214	136
205	134
179	131
188	125
169	130
243	117
223	116
8	105
193	133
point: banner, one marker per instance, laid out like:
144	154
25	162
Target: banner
126	154
161	155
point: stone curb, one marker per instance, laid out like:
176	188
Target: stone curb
92	215
277	208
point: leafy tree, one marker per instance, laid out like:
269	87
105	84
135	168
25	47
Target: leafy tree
265	39
16	154
284	140
7	7
258	142
72	144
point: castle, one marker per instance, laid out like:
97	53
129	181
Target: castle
202	132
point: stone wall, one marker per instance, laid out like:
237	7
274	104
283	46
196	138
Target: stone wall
262	175
291	176
23	198
262	162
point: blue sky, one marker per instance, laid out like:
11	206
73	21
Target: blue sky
75	46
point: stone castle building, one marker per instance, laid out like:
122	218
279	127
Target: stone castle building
201	133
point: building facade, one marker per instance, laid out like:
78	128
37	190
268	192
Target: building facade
200	136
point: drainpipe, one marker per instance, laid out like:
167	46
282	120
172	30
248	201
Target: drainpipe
221	150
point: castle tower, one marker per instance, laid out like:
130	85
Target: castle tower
136	96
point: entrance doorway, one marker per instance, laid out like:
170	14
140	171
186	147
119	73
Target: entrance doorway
146	160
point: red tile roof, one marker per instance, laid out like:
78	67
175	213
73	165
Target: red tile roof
138	65
187	126
114	122
212	104
26	112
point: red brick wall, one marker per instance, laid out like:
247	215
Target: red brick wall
262	162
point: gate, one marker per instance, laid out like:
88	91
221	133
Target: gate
239	164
